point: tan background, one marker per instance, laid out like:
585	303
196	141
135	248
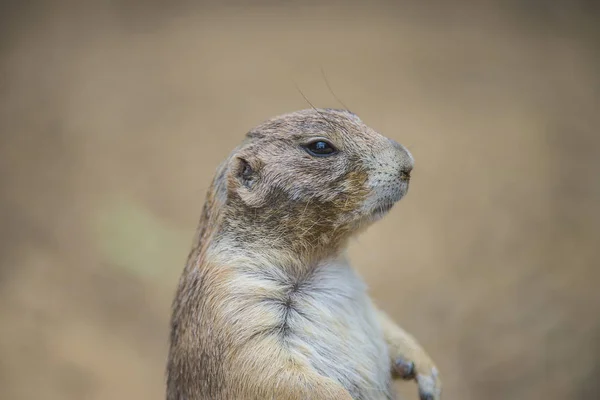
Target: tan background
114	115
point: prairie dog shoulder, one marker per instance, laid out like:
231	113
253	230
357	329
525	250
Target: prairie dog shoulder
267	293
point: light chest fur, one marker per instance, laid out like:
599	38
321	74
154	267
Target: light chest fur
324	318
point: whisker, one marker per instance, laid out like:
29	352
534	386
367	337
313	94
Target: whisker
331	90
328	122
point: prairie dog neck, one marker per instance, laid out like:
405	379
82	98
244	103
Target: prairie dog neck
273	263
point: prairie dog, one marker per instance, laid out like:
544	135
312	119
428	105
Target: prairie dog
268	307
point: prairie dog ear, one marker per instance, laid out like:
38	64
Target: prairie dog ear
245	173
244	179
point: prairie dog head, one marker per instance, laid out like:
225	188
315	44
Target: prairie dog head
308	180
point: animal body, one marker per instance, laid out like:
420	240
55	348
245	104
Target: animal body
268	306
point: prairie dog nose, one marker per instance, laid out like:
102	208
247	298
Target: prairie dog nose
405	173
407	161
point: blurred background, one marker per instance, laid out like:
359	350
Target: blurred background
115	114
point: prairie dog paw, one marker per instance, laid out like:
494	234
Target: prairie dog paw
430	386
427	378
404	369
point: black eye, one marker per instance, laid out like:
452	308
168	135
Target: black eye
320	148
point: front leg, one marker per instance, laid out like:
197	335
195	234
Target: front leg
409	360
268	372
260	370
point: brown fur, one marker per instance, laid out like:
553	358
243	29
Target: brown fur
272	218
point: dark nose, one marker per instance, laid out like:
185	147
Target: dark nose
407	163
405	173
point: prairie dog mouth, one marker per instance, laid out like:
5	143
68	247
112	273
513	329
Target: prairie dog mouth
383	208
389	201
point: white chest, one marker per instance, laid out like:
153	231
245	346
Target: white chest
333	325
328	321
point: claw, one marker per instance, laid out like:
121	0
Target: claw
428	387
405	369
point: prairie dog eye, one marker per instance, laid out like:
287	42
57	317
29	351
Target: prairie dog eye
320	148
